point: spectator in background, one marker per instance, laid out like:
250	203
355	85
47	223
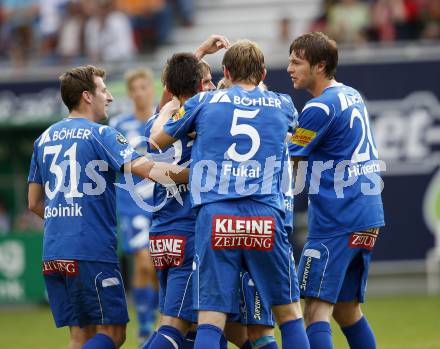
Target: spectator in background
151	21
185	10
396	19
348	21
431	20
108	34
50	12
20	18
71	36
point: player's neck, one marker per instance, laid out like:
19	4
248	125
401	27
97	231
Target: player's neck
245	85
320	85
80	114
143	114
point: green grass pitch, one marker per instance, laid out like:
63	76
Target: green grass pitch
399	323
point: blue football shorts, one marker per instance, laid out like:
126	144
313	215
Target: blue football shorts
134	232
241	234
172	254
336	269
85	293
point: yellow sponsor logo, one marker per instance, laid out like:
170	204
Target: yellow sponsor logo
302	136
178	114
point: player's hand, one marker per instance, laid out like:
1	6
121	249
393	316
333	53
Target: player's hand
171	107
211	45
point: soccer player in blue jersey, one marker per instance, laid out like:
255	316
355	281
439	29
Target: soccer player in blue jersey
71	186
134	221
235	186
172	230
256	314
345	206
184	75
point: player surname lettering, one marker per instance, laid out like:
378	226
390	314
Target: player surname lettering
241	171
358	170
71	133
63	211
262	101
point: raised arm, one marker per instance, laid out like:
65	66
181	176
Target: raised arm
211	45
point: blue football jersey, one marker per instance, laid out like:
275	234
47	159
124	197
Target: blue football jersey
239	145
76	161
287	189
172	215
134	131
343	167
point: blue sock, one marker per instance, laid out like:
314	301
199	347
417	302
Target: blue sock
246	345
208	336
320	335
99	341
293	335
147	344
189	340
145	305
360	335
167	337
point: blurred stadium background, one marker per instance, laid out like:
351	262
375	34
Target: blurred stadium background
390	51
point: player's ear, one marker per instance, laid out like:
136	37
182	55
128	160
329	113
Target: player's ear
226	73
200	88
263	76
87	96
321	67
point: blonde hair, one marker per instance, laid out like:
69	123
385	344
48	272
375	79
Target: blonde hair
136	73
245	62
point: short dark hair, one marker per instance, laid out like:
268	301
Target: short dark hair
245	62
316	47
182	75
77	80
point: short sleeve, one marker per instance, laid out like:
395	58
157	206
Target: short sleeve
312	124
183	121
112	147
34	171
291	112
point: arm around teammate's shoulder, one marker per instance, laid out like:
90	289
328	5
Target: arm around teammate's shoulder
160	172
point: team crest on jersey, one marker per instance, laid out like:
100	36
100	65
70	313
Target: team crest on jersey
178	114
246	233
121	139
302	136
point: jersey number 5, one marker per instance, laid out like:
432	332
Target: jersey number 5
247	130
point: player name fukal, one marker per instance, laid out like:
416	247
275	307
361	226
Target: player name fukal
167	251
241	232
